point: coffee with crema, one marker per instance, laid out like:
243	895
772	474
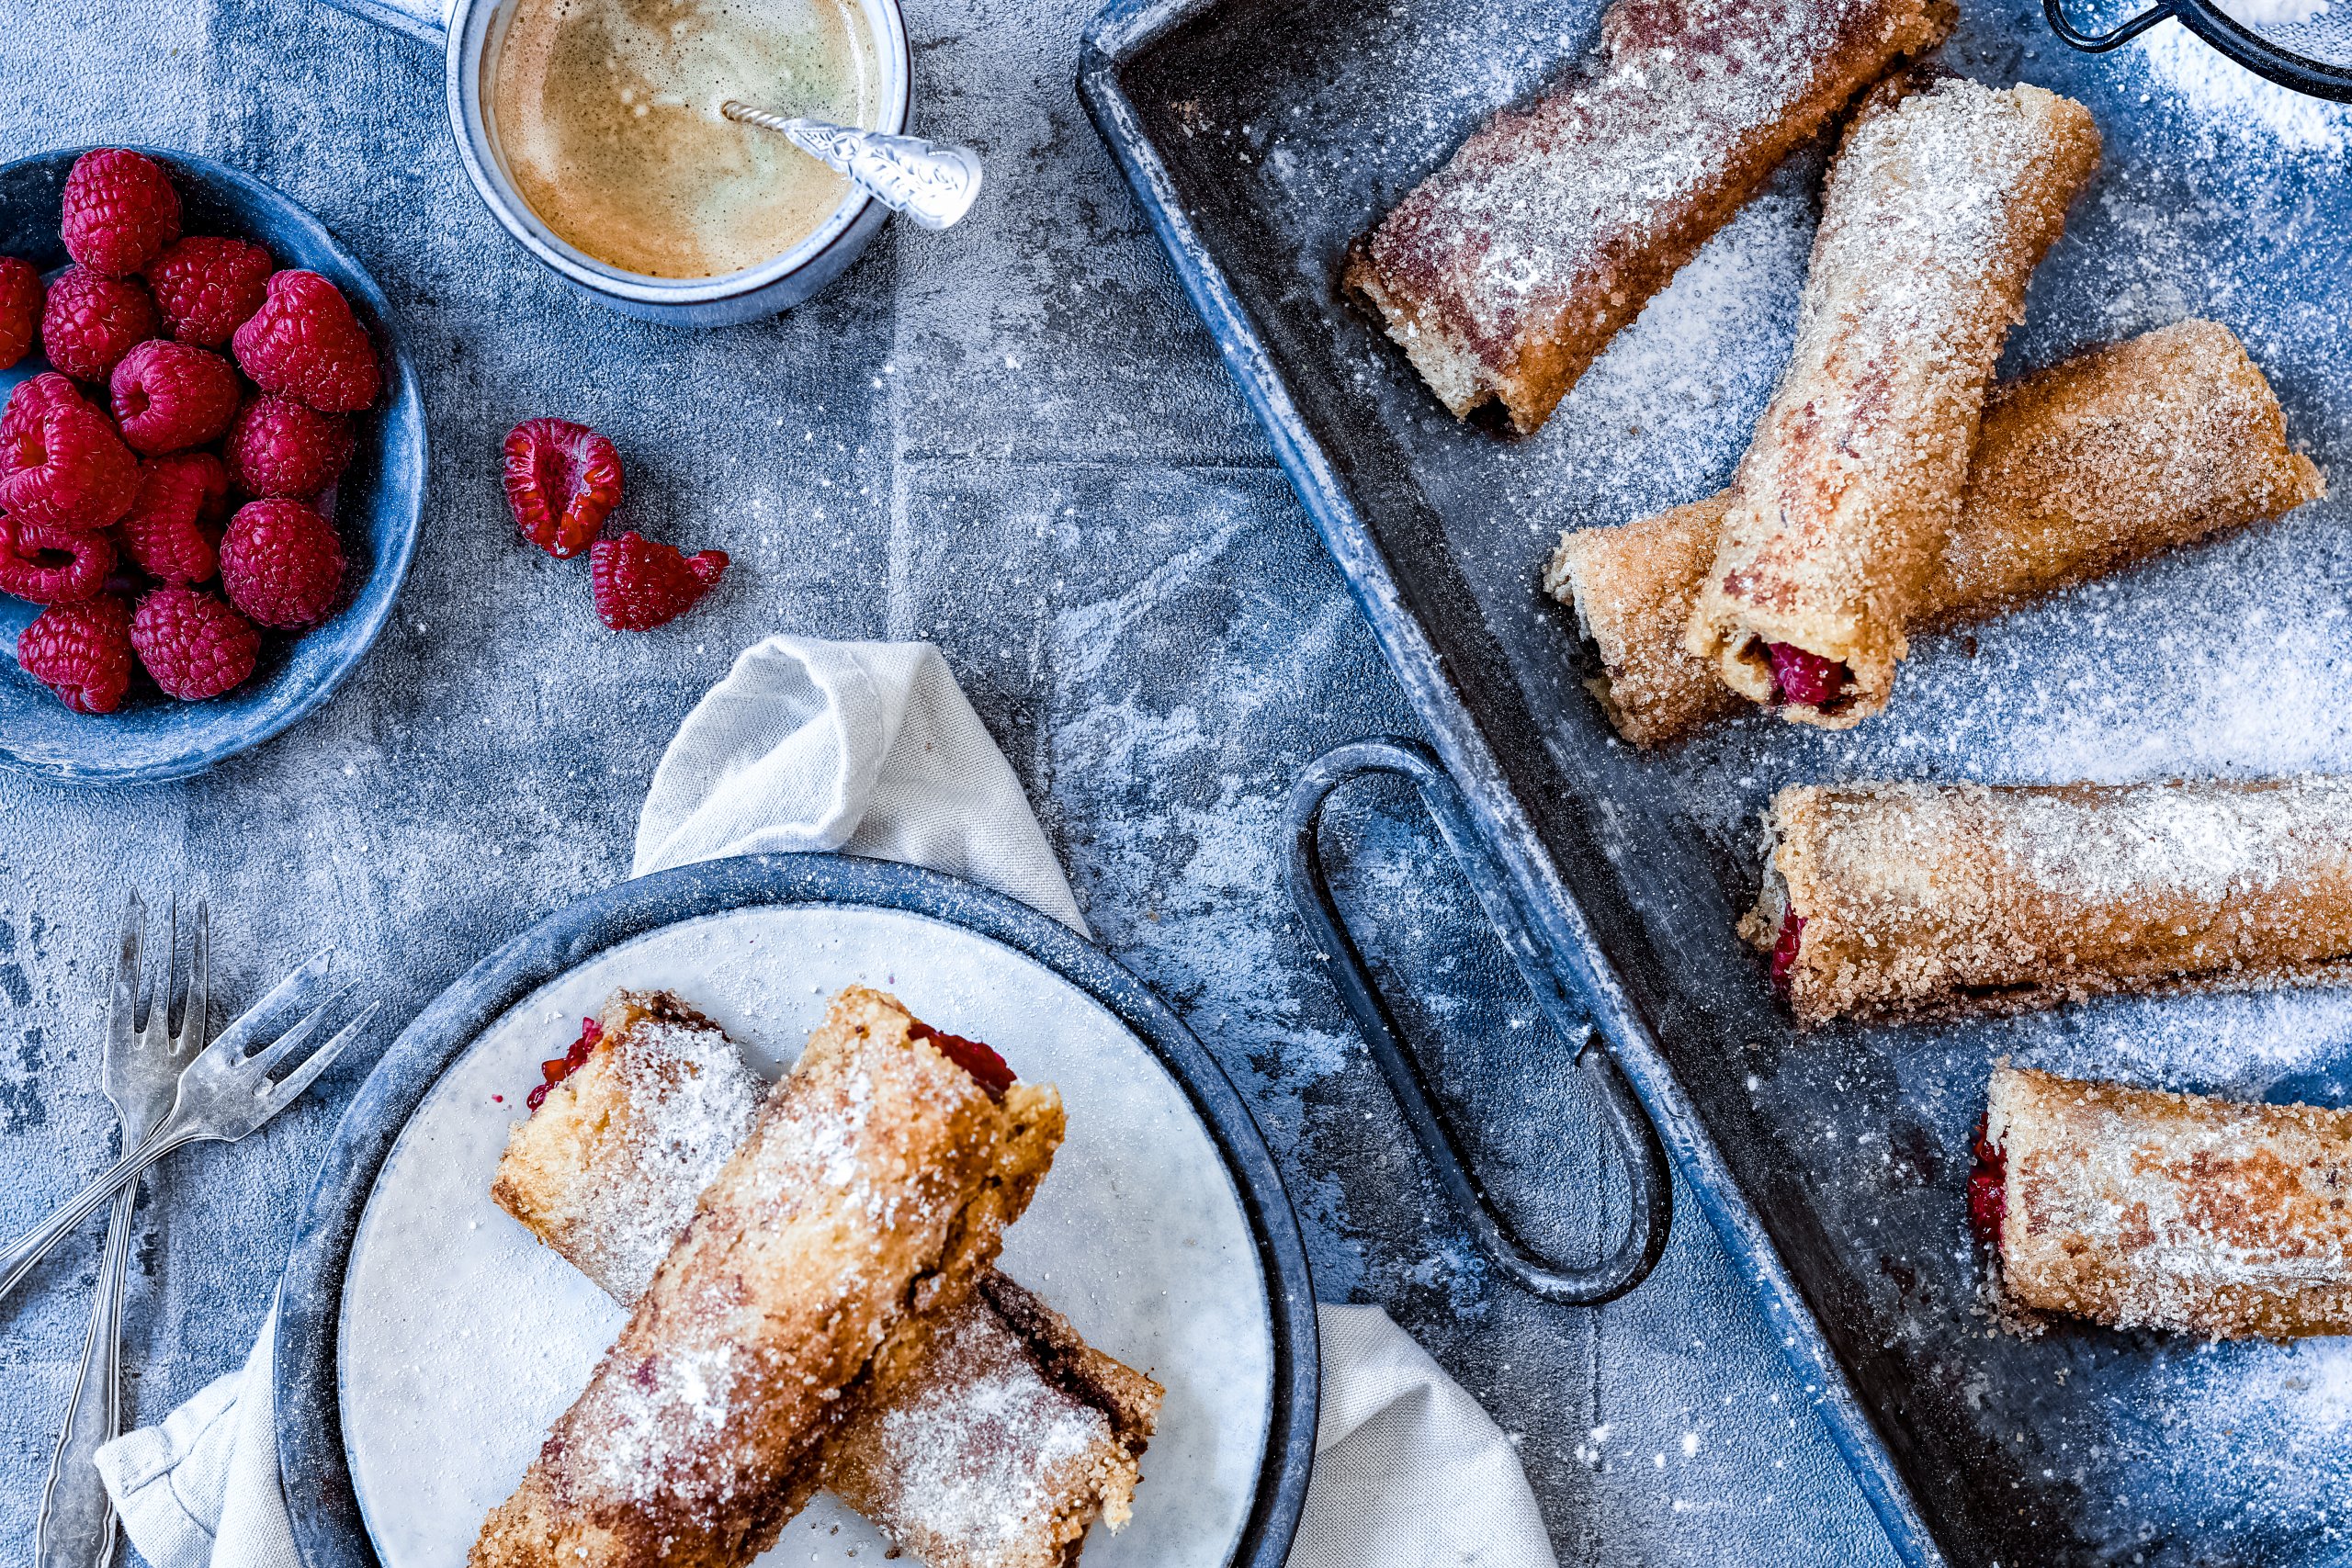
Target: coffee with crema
605	113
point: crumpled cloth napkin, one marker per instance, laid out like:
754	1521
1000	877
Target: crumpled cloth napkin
872	748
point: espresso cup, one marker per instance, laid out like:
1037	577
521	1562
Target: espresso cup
468	31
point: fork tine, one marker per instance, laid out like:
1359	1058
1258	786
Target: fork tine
123	1001
230	1045
294	1082
295	1038
194	1019
156	1028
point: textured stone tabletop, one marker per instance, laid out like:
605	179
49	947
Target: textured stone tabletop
1014	440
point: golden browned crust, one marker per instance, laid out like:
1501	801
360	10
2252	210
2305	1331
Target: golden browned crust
873	1190
2080	469
606	1171
2141	1208
1016	1434
1935	900
1503	274
1942	199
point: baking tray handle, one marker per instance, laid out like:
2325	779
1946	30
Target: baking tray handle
1629	1125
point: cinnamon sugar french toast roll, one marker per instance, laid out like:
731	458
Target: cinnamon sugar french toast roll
2081	469
871	1192
2140	1209
1942	198
1002	1442
1507	272
1912	899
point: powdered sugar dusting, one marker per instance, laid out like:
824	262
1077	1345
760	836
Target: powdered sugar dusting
2233	100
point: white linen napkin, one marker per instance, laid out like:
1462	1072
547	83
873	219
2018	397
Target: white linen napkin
871	748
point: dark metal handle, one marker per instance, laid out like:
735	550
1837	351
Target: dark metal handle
1629	1126
2100	43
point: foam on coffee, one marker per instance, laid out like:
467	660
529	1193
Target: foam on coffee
605	113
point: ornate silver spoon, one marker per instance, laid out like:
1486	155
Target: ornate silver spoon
930	182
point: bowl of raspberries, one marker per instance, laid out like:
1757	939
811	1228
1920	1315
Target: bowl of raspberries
211	463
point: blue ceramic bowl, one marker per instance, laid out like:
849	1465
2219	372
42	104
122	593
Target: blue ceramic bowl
376	508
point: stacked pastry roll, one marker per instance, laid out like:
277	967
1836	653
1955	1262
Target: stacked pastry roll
1914	899
1006	1437
1943	197
860	1212
1503	274
2079	470
2141	1209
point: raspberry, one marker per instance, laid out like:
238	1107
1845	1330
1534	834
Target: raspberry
1806	679
305	343
193	643
640	584
562	481
168	396
69	469
207	287
172	531
20	296
31	401
281	564
49	565
279	446
80	652
120	211
91	321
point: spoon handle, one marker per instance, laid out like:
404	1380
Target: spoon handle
930	182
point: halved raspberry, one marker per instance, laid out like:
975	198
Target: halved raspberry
1806	679
168	396
207	287
119	210
281	564
49	565
20	297
279	446
173	530
305	343
640	584
562	481
91	321
80	652
192	643
69	469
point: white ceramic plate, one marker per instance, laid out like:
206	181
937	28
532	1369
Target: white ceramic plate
461	1338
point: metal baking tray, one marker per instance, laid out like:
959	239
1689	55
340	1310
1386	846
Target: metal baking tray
1261	136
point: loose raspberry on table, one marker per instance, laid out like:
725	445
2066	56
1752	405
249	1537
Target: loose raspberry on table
172	531
640	584
207	287
281	564
20	297
168	396
279	446
90	320
193	643
562	481
80	652
305	343
33	399
69	469
119	211
49	565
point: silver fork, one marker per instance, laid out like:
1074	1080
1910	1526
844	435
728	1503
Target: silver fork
224	1095
140	1073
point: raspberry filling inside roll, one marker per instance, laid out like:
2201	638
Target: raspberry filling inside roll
1784	950
1804	679
988	1069
555	1069
1988	1192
